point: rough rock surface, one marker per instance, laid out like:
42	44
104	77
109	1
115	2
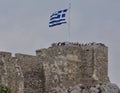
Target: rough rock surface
99	88
58	69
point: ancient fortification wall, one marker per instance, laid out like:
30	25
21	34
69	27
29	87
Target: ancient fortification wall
62	65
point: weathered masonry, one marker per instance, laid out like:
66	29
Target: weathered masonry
62	66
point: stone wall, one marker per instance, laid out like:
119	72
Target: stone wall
101	63
68	65
31	70
60	66
22	73
8	71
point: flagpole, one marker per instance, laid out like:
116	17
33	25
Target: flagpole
69	22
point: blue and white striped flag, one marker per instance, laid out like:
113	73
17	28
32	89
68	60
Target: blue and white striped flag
58	18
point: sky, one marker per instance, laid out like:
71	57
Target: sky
24	26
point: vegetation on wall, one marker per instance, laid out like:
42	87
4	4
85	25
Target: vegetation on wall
4	89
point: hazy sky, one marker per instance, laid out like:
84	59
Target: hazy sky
24	26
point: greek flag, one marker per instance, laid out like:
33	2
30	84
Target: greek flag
58	18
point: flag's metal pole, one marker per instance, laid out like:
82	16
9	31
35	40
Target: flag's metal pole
69	22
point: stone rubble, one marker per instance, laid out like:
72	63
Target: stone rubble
99	88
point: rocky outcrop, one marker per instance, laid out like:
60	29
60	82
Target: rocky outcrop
99	88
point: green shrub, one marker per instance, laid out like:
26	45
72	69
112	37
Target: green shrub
4	89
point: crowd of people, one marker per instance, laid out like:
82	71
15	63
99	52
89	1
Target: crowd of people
75	43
